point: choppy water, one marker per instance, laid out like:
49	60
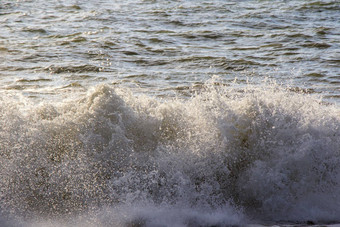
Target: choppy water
169	113
167	46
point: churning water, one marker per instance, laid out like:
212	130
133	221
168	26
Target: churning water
169	113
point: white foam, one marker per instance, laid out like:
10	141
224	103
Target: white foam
224	157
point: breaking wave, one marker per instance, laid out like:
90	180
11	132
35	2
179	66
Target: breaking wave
226	156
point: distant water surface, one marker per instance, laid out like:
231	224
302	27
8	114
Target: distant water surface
166	47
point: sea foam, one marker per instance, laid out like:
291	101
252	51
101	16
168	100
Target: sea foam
226	156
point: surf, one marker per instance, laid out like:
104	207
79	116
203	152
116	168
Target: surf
228	155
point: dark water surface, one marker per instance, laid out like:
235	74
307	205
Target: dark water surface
165	47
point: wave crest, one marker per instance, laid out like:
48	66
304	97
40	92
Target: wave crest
262	153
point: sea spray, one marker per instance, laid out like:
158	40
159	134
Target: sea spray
226	156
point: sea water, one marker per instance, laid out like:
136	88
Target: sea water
169	113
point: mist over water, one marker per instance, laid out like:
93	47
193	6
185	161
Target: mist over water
169	113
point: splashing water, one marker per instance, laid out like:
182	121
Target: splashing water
226	156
